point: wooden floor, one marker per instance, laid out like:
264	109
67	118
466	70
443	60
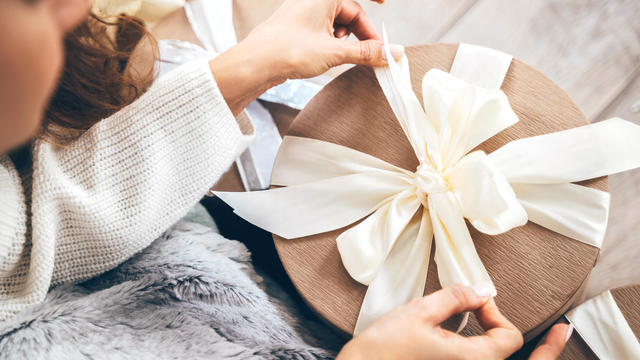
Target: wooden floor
591	48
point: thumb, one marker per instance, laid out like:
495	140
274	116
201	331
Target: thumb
442	304
553	343
368	52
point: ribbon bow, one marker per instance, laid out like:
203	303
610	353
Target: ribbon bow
328	186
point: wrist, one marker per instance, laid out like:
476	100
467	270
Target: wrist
244	72
263	55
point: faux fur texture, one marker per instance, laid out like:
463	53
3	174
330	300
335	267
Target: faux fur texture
191	295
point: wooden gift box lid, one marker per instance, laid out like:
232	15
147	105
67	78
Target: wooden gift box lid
537	272
628	300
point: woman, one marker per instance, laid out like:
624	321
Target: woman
71	212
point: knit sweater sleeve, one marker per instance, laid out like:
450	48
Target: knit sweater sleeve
130	177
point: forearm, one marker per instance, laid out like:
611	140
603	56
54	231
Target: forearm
244	72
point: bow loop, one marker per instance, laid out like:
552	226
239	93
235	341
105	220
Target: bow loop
485	196
364	247
464	115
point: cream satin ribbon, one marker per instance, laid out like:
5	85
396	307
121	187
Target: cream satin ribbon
328	186
602	326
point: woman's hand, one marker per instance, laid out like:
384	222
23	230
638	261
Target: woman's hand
413	331
302	39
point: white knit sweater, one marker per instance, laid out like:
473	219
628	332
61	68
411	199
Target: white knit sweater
108	195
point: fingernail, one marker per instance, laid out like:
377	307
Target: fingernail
396	51
569	332
484	290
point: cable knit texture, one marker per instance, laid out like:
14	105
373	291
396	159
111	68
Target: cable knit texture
13	215
107	196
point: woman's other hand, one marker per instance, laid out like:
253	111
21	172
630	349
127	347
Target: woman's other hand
413	331
554	343
302	39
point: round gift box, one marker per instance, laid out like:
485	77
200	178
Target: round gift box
536	271
628	300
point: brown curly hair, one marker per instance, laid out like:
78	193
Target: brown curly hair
94	83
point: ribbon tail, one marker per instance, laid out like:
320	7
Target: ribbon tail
575	211
578	154
321	206
602	326
403	275
456	256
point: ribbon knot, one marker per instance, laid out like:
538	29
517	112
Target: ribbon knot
429	181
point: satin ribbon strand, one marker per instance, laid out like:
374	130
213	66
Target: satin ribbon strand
575	211
308	209
586	152
395	82
303	160
456	256
600	323
482	67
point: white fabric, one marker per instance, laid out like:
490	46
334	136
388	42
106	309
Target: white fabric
602	326
108	195
331	186
212	22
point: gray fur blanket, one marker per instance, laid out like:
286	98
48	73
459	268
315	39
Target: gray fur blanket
191	295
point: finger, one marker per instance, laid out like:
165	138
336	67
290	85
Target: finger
490	317
362	52
341	32
501	337
368	52
554	343
351	16
443	304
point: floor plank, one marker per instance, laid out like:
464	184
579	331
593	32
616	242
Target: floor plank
411	22
414	22
618	264
591	48
627	104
